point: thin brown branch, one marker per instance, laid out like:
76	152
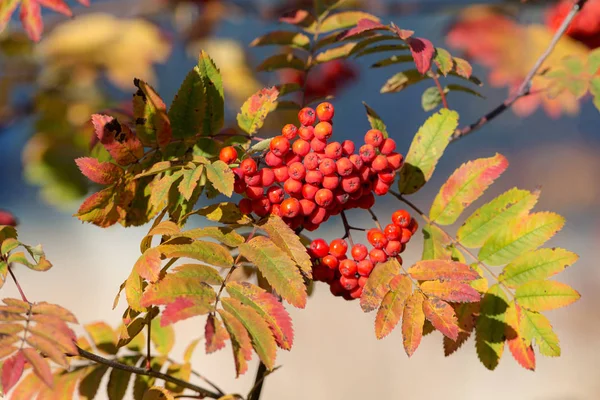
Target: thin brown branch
525	87
261	373
348	228
441	90
12	274
200	376
377	224
148	342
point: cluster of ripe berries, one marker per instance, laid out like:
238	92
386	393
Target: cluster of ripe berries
306	178
347	275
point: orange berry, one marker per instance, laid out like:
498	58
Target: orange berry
228	154
325	111
338	248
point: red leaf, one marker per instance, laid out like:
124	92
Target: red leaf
118	139
40	366
215	334
149	264
295	17
103	173
57	5
422	51
442	317
521	351
12	370
240	341
363	25
7	218
84	2
31	18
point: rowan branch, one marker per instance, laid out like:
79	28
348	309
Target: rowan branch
525	87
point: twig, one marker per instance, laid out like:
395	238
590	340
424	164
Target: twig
23	297
148	342
200	376
261	373
375	219
441	90
524	88
348	228
141	371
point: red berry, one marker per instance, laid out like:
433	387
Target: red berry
413	226
323	130
318	248
248	166
254	192
349	283
348	147
281	173
228	154
356	161
348	268
380	187
318	145
279	146
239	186
395	160
377	256
344	166
379	163
261	207
374	137
338	248
307	116
387	146
341	197
366	201
364	267
245	206
331	261
351	183
362	281
314	177
357	291
297	170
401	218
309	191
272	160
317	216
325	111
330	182
336	288
253	180
406	235
290	208
301	147
306	132
387	175
275	194
367	153
292	186
267	177
393	248
311	161
377	238
359	252
307	206
289	131
324	197
327	166
333	150
392	232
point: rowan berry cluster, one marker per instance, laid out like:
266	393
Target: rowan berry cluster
347	275
306	178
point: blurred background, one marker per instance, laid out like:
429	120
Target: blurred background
87	64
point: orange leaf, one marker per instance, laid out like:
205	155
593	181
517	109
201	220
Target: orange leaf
465	314
54	311
118	139
12	369
40	366
452	291
240	341
522	351
149	264
28	388
362	25
57	5
392	306
215	334
442	317
378	284
439	269
103	173
413	319
31	18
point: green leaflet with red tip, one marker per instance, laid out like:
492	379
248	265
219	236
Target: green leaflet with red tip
535	328
254	111
536	265
465	186
520	348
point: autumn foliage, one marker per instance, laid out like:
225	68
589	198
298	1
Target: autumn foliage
261	200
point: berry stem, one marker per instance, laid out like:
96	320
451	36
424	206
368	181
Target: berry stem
441	90
347	229
12	274
375	219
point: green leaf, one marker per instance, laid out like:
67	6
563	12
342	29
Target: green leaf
375	120
443	60
208	252
431	98
519	236
436	244
268	307
227	236
536	265
226	213
593	62
277	267
283	38
254	110
118	382
221	177
152	123
395	59
536	327
377	38
198	107
281	61
204	273
287	240
159	393
341	20
335	53
595	91
260	334
426	149
9	245
163	338
465	186
391	308
492	216
401	80
544	295
103	336
240	341
490	331
89	385
459	88
190	181
159	195
378	284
